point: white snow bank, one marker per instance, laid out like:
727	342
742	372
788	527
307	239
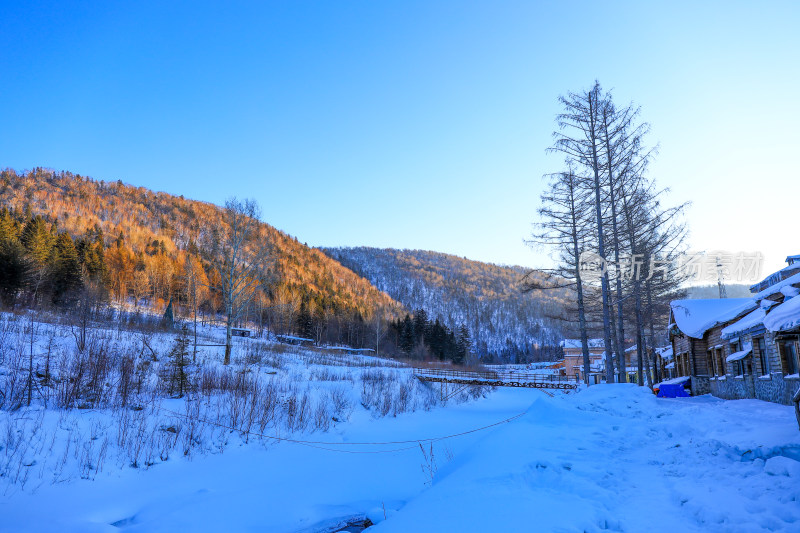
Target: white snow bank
615	457
782	466
609	457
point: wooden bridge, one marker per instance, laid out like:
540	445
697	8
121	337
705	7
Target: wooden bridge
496	379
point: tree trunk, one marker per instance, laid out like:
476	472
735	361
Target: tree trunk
620	322
639	335
581	311
228	335
600	244
656	370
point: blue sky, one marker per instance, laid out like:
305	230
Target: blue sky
408	124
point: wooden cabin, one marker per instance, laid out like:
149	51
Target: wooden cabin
742	347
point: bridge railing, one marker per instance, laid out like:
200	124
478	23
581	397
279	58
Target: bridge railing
491	375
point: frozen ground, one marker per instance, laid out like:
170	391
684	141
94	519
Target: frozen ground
607	458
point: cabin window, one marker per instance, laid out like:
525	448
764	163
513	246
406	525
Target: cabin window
788	351
743	367
720	362
712	370
760	346
739	366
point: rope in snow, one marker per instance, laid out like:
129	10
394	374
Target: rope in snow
321	444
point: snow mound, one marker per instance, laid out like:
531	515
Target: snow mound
782	466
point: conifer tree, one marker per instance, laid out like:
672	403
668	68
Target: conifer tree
406	337
175	375
463	345
66	276
305	327
420	325
14	270
38	240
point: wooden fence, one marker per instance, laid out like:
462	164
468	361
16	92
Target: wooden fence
497	379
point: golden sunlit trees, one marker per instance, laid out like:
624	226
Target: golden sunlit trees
195	289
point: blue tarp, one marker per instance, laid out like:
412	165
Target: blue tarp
674	390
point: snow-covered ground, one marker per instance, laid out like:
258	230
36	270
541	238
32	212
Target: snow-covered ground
611	457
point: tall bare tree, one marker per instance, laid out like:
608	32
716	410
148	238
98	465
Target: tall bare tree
196	291
579	139
623	222
619	137
240	257
655	235
564	214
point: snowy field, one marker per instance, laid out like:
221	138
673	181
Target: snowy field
609	458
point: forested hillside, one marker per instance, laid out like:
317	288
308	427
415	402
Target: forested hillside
486	298
61	232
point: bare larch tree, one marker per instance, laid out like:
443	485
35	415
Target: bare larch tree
579	139
563	224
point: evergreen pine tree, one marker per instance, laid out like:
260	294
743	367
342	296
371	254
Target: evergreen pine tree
91	251
38	240
305	326
420	325
463	345
66	277
14	269
169	316
406	340
175	375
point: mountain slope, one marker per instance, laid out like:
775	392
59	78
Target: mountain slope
487	298
148	236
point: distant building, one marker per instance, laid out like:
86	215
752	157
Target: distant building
665	363
297	341
740	347
573	358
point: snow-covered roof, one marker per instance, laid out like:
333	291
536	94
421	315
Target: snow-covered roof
673	381
790	291
741	354
785	316
695	317
665	352
776	288
293	338
751	320
631	349
576	343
